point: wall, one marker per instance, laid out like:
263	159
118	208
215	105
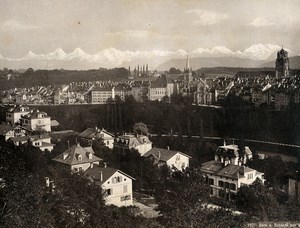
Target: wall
118	190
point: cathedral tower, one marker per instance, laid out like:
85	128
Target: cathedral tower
282	64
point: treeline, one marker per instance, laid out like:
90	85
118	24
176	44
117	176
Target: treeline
160	118
32	78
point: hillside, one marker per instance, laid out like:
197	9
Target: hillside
201	62
294	63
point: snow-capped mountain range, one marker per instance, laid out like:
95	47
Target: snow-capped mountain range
112	57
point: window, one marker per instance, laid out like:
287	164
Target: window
80	169
211	191
250	176
109	192
221	194
221	184
211	181
107	142
117	179
232	186
226	185
125	189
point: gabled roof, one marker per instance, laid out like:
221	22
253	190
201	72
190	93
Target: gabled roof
132	140
106	172
163	154
19	139
91	133
5	128
34	115
18	109
72	156
230	171
38	137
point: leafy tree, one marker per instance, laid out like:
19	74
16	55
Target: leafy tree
182	201
165	99
257	200
140	128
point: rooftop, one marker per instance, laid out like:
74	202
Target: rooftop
161	154
77	155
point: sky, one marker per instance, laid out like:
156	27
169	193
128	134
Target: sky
128	29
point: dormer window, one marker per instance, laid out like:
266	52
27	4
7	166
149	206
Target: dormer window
90	156
79	157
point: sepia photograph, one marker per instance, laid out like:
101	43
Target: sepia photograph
149	113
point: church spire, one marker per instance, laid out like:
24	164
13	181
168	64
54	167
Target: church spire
187	67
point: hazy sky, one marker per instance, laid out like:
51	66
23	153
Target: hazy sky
143	25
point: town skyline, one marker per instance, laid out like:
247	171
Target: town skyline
155	32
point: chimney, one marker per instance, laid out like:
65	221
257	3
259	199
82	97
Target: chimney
159	155
224	142
104	164
68	143
168	147
101	176
77	144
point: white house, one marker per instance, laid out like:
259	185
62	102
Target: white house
171	158
13	115
140	142
117	184
36	121
8	131
78	158
42	141
232	155
226	174
101	135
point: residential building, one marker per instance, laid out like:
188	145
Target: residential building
226	174
117	184
101	135
141	143
232	155
171	158
77	158
161	87
36	121
14	114
8	131
101	95
43	142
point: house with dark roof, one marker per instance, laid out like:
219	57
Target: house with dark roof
171	158
78	158
117	184
36	120
141	143
226	174
231	154
42	141
161	87
14	114
101	135
8	131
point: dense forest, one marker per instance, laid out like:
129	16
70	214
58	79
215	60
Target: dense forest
32	78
